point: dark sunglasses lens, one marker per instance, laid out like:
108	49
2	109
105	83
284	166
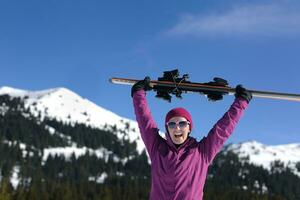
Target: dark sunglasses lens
171	124
183	124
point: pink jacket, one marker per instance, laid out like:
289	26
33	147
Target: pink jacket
180	173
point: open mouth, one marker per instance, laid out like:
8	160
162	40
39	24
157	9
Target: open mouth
178	136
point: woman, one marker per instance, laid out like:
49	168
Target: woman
179	163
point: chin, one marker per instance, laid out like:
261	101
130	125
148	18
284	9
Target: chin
179	142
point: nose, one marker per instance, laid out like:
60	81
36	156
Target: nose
177	127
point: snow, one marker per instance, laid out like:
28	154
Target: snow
13	92
102	178
263	155
52	131
68	107
67	152
3	109
264	188
99	179
22	147
15	177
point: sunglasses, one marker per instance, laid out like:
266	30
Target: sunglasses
181	124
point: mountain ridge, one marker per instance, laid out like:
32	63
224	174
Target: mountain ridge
65	105
68	107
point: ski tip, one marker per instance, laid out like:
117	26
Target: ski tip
111	80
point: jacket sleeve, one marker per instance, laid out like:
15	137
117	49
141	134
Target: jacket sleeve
220	132
146	123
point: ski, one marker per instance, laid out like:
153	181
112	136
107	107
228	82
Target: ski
177	86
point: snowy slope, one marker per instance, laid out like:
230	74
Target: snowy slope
262	155
68	107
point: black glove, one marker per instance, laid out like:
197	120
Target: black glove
216	96
240	91
141	85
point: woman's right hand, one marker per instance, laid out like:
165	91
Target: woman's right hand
141	85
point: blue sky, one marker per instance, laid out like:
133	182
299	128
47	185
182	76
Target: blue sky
81	44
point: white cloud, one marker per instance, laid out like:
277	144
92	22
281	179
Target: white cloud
257	20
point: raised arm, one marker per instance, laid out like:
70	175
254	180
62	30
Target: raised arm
147	125
220	132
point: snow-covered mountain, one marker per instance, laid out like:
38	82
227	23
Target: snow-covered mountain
263	155
68	107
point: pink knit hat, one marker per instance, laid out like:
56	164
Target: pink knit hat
179	112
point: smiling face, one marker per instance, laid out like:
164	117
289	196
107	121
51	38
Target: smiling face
180	131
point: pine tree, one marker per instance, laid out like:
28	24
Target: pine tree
5	190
